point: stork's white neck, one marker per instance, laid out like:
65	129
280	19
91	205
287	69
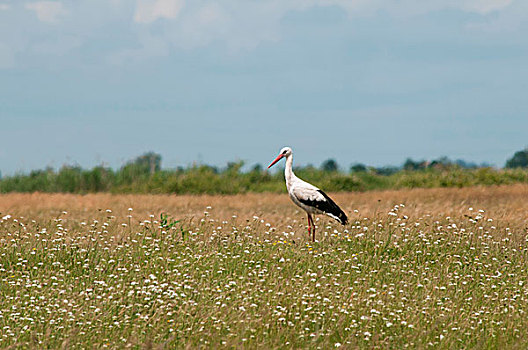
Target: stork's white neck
288	170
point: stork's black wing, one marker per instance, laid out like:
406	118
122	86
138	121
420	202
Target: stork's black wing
326	205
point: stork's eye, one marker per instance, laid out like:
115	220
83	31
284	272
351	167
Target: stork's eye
284	152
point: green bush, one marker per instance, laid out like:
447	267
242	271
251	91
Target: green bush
144	175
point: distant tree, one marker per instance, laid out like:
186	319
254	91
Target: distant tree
257	168
358	168
387	170
234	167
145	165
97	179
411	164
149	161
329	165
68	179
466	165
441	163
204	169
519	160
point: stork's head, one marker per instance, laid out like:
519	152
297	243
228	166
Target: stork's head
285	152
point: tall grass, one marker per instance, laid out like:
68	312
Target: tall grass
396	277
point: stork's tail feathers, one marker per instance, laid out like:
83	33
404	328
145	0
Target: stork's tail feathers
342	218
339	216
333	210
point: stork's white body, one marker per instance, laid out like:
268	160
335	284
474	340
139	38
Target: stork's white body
310	198
300	190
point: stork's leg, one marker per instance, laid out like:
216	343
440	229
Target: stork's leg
309	225
313	227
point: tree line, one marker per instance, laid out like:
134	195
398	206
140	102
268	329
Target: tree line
145	174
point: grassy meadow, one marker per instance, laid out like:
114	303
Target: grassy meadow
422	268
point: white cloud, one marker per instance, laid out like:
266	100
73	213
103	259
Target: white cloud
246	24
407	8
485	6
148	11
232	24
47	11
507	20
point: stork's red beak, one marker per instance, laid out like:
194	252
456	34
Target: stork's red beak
276	160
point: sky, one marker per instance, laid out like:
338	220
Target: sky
90	82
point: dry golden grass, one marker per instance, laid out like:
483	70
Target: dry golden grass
504	203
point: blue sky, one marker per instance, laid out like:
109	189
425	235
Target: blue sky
91	82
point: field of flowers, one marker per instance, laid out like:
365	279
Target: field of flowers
440	268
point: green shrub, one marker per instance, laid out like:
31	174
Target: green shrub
144	175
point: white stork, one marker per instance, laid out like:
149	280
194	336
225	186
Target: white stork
307	196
